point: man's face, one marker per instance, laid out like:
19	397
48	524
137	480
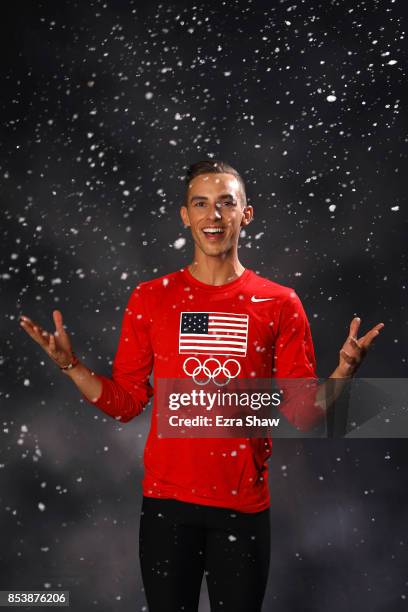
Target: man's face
215	212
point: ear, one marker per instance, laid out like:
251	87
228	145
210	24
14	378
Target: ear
247	215
184	215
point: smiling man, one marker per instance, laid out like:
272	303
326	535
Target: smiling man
205	501
216	210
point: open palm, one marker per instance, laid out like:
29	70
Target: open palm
57	345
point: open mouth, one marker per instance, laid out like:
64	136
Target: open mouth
213	233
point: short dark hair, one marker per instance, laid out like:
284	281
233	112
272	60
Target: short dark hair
216	166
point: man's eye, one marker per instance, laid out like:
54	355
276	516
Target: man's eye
200	203
228	203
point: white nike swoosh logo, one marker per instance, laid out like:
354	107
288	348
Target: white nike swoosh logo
255	299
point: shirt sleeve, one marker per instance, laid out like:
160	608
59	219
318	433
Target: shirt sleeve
294	355
294	358
125	394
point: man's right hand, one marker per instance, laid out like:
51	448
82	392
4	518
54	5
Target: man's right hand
57	345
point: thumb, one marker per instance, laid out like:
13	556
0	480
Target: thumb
57	315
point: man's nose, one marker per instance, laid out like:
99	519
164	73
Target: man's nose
215	211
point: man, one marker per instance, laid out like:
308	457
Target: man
205	501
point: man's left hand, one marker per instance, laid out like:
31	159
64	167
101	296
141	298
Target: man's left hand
355	349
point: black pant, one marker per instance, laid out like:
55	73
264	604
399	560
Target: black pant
178	541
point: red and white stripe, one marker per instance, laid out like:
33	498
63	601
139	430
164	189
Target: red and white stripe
227	335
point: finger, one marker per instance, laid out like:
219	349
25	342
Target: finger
54	353
52	344
368	338
28	323
34	331
29	327
52	348
354	343
59	326
57	315
354	325
42	333
372	333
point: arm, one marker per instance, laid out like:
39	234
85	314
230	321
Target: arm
58	347
88	383
294	358
125	394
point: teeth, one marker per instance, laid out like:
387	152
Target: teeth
213	230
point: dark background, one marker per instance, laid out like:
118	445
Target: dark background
103	106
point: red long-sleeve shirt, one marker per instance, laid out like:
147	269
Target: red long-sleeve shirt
224	472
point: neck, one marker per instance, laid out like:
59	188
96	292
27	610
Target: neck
215	270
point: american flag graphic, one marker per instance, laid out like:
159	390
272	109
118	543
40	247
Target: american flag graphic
215	333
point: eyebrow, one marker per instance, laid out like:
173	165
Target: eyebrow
223	195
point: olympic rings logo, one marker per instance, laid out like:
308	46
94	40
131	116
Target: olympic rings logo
211	373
